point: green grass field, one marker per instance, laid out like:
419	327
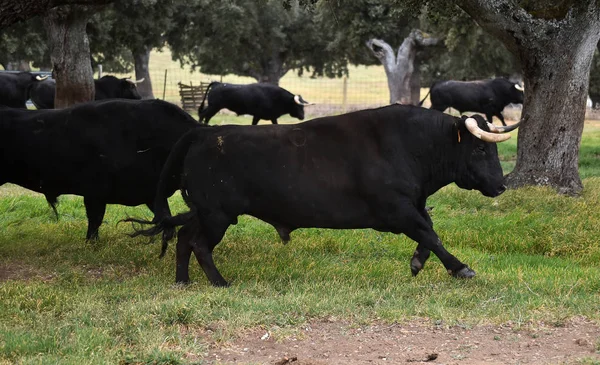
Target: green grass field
66	301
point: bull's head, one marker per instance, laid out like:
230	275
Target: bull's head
297	109
479	164
516	93
129	88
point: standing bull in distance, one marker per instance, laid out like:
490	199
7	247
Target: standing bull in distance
107	87
15	88
261	100
109	152
366	169
489	97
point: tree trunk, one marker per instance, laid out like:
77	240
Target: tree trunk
142	59
70	54
555	47
415	83
400	68
271	69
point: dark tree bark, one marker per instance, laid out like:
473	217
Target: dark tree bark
400	68
555	46
142	59
12	11
70	54
271	69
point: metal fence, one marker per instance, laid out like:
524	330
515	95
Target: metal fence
366	87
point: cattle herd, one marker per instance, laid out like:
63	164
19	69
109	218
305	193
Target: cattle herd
372	168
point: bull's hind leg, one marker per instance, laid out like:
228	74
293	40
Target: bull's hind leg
501	117
203	245
94	210
208	113
185	237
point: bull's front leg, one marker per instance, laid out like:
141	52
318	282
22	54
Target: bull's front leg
420	230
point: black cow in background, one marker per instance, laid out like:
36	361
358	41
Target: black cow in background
107	87
109	152
489	97
261	100
15	87
367	169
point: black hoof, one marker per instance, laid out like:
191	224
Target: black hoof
220	283
464	273
415	266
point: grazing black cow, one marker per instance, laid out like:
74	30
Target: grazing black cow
109	152
489	97
261	100
14	88
107	87
367	169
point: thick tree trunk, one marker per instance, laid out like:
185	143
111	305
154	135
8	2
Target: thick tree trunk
70	54
271	70
400	68
555	47
548	152
142	59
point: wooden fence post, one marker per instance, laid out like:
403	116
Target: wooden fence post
345	95
165	84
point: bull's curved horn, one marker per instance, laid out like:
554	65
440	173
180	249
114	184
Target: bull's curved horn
472	126
519	87
136	81
503	129
41	78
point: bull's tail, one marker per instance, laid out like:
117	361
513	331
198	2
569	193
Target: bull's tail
163	222
426	95
204	98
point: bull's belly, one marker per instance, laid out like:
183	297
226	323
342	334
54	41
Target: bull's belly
317	213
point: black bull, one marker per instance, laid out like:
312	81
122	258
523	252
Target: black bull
367	169
109	152
489	97
261	100
107	87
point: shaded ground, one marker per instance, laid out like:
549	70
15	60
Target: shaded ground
417	342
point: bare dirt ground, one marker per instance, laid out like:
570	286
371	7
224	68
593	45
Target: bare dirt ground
417	342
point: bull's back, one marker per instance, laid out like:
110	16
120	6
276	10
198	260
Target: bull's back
112	149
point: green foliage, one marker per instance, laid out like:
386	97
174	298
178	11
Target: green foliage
249	38
470	54
24	41
467	52
128	26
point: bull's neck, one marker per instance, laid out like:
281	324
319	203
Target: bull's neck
440	166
